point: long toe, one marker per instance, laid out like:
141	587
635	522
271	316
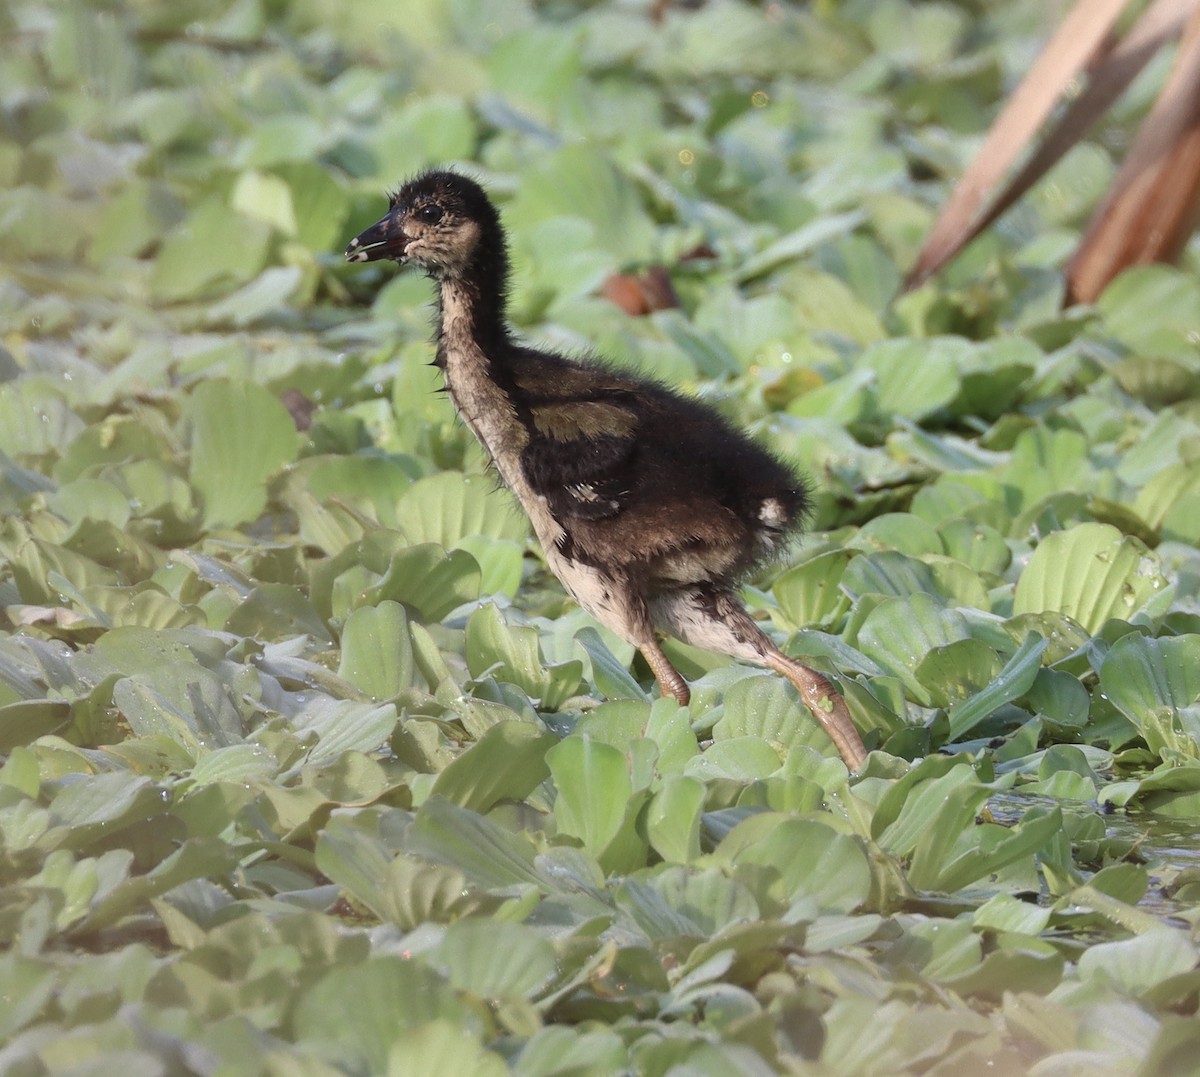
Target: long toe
826	704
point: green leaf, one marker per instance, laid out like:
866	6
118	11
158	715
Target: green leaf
1091	573
956	672
398	889
442	1047
1059	697
907	809
242	763
612	680
741	759
358	1011
975	544
1170	293
579	180
500	562
673	819
318	203
559	1049
899	633
186	703
22	722
1155	683
382	565
900	531
916	377
277	611
241	437
594	791
766	708
681	903
889	573
377	650
1135	966
507	763
493	959
196	858
989	391
995	848
809	593
1005	913
371	484
803	859
34	419
485	852
91	499
133	220
31	985
669	727
213	247
342	725
430	580
944	829
268	294
102	801
423	131
265	198
512	653
1012	682
447	507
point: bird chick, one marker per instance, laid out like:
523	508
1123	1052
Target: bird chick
649	505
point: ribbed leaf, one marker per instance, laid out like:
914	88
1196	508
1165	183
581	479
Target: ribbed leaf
1091	573
241	436
1155	683
377	650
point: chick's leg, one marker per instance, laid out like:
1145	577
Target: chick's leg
618	605
637	627
670	681
716	621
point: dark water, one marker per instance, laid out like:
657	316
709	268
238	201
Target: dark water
1166	847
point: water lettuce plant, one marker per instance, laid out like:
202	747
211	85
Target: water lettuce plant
306	763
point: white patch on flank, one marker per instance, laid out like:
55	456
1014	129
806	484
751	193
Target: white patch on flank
771	513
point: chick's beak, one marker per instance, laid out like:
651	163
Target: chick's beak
384	239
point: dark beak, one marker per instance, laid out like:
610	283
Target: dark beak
384	239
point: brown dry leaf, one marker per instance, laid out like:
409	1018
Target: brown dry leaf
641	293
1080	41
1154	203
58	616
299	407
1107	79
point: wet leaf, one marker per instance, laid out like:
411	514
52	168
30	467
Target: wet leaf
1155	683
377	650
1091	573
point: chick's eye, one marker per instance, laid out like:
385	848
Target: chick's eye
428	213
